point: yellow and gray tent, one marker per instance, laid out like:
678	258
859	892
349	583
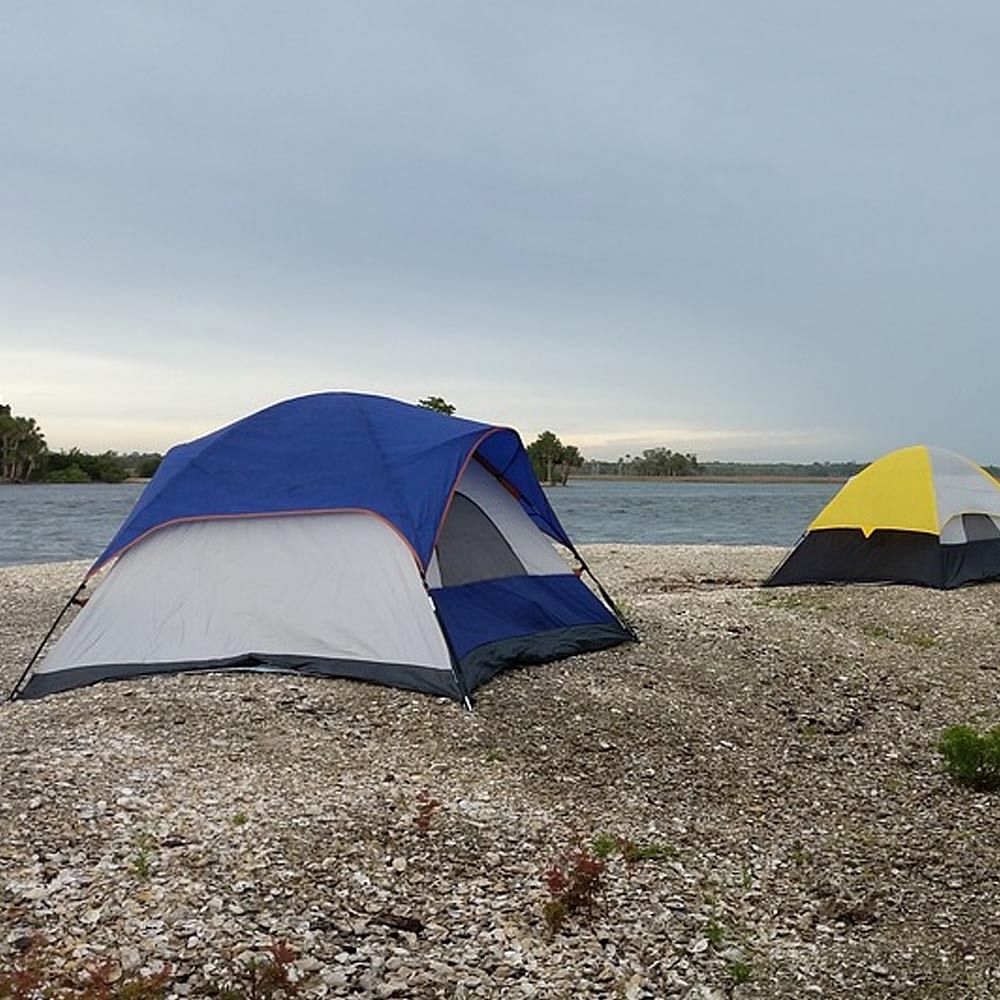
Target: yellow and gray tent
919	515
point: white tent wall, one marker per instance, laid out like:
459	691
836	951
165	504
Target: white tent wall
961	487
533	549
339	586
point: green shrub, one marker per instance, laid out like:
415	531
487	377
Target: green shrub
71	474
970	758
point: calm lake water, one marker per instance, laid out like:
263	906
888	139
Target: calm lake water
56	523
689	513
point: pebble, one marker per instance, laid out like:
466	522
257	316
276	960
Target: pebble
757	739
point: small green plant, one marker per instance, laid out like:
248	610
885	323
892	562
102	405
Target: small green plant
604	845
739	972
875	632
653	851
240	819
970	758
573	883
715	933
799	856
141	861
922	641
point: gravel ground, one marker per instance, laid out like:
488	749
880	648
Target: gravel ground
773	749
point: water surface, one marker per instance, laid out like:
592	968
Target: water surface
41	523
665	513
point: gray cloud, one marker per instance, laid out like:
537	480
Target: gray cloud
768	224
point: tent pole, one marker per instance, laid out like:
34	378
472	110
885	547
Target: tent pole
48	635
788	555
456	673
609	600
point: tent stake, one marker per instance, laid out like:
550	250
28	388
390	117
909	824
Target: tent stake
48	635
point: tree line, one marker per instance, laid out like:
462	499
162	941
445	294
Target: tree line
554	461
75	466
25	457
812	470
652	462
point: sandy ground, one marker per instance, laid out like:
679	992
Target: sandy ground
771	753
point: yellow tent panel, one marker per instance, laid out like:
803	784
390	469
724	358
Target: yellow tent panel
894	493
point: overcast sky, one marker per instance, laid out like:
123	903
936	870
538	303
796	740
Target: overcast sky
754	231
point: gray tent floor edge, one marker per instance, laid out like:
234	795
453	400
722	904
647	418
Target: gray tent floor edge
485	661
415	678
974	562
846	555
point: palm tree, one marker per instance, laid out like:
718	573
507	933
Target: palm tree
22	446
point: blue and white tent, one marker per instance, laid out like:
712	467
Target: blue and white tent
340	535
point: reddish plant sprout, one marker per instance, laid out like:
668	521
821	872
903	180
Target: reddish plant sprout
573	883
31	978
427	806
556	881
107	982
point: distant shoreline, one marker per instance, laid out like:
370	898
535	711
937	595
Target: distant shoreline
735	480
127	481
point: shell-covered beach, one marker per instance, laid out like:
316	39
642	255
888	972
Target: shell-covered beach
769	757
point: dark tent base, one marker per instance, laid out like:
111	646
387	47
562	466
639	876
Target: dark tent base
477	667
436	682
845	555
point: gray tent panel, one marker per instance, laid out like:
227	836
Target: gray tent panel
471	547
